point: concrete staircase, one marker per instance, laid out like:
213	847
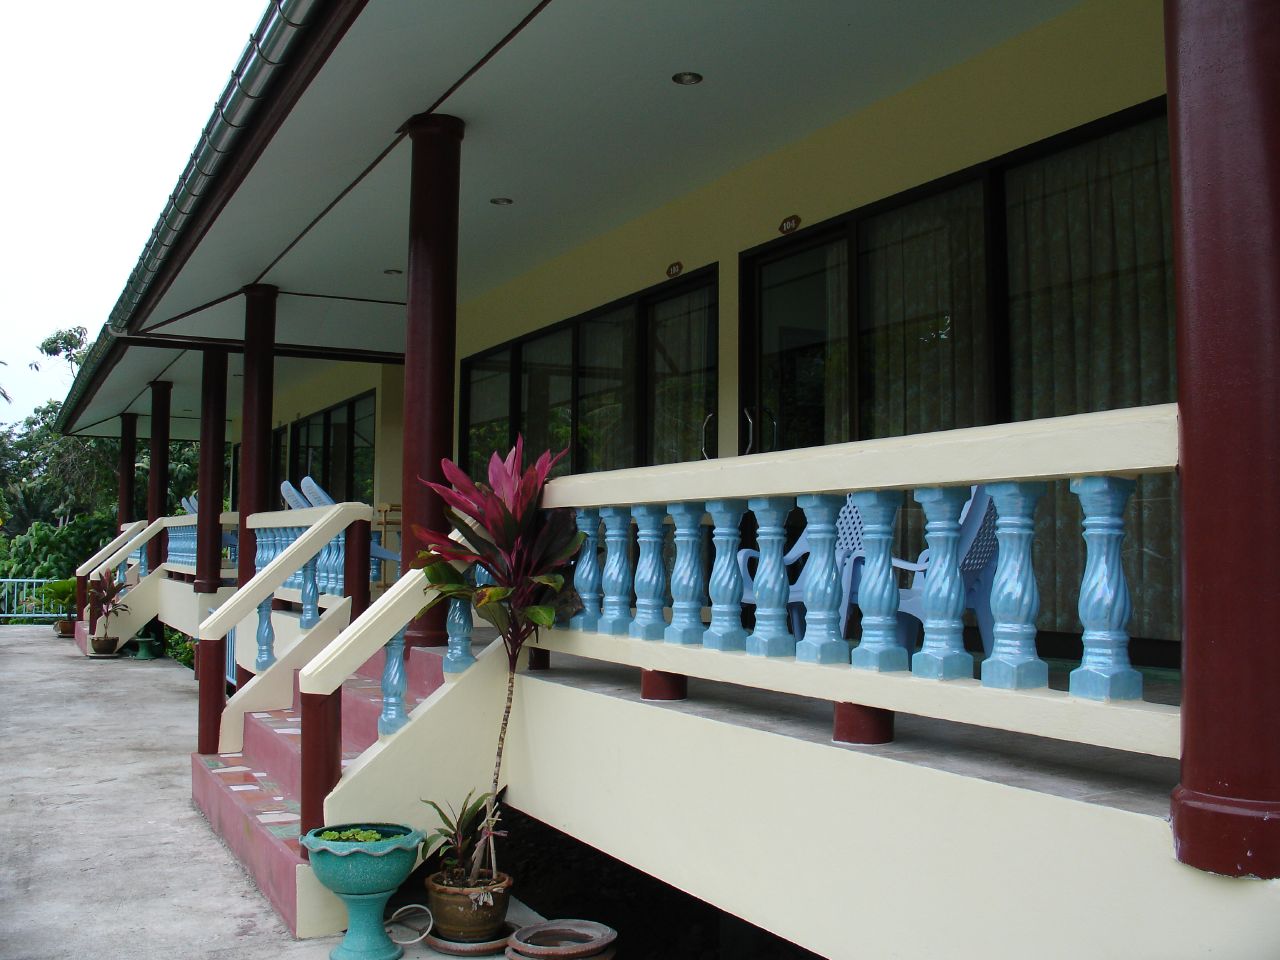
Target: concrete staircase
251	797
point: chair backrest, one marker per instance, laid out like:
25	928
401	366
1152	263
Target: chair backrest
189	505
292	497
849	529
978	532
315	493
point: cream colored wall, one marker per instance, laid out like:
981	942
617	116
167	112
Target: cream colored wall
1097	59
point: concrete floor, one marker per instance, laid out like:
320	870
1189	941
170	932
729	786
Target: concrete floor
104	854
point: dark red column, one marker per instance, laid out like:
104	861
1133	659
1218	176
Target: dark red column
430	336
660	685
158	475
128	458
211	654
213	453
255	418
855	723
1223	65
321	750
355	566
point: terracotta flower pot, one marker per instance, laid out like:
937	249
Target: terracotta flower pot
64	628
104	646
460	912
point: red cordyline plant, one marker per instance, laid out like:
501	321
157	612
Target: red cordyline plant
523	551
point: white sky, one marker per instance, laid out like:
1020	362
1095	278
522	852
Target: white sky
102	104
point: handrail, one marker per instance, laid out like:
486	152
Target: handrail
123	552
328	523
125	533
294	518
226	518
1131	441
365	636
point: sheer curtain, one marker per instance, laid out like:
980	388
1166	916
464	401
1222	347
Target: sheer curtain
1091	315
924	353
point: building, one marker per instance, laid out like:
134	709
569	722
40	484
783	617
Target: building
826	248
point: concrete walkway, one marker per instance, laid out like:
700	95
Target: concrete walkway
104	855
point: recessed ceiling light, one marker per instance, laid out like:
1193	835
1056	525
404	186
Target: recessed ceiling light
501	201
686	78
392	272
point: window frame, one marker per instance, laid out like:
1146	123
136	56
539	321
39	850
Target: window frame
293	468
845	226
706	276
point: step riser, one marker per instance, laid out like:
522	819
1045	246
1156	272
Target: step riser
266	857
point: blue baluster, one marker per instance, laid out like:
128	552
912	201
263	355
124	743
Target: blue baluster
942	655
822	641
1015	597
726	632
310	596
1105	672
340	564
327	554
142	562
266	638
121	572
459	625
772	636
651	575
295	578
393	716
688	595
616	615
878	594
586	571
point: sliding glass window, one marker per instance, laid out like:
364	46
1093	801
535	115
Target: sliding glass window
633	383
335	447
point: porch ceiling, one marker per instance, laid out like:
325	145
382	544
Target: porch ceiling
576	118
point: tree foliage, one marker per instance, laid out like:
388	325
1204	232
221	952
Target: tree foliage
58	493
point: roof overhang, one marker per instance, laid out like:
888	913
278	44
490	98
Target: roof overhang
570	110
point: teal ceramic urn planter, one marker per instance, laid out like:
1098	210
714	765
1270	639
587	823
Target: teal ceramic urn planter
364	873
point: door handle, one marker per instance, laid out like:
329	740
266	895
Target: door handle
769	413
703	445
751	431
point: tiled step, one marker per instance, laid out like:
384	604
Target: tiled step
82	636
257	819
251	798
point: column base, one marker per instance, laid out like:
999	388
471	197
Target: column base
1014	675
882	659
828	651
1093	683
945	666
660	685
775	645
243	676
1226	835
854	723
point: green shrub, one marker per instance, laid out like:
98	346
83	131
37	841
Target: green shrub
47	552
180	647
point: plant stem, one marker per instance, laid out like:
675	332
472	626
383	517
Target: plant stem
497	767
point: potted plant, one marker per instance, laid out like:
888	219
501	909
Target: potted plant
364	864
522	551
106	594
465	905
60	595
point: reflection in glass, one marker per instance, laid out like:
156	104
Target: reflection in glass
546	395
607	385
489	410
804	362
682	375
